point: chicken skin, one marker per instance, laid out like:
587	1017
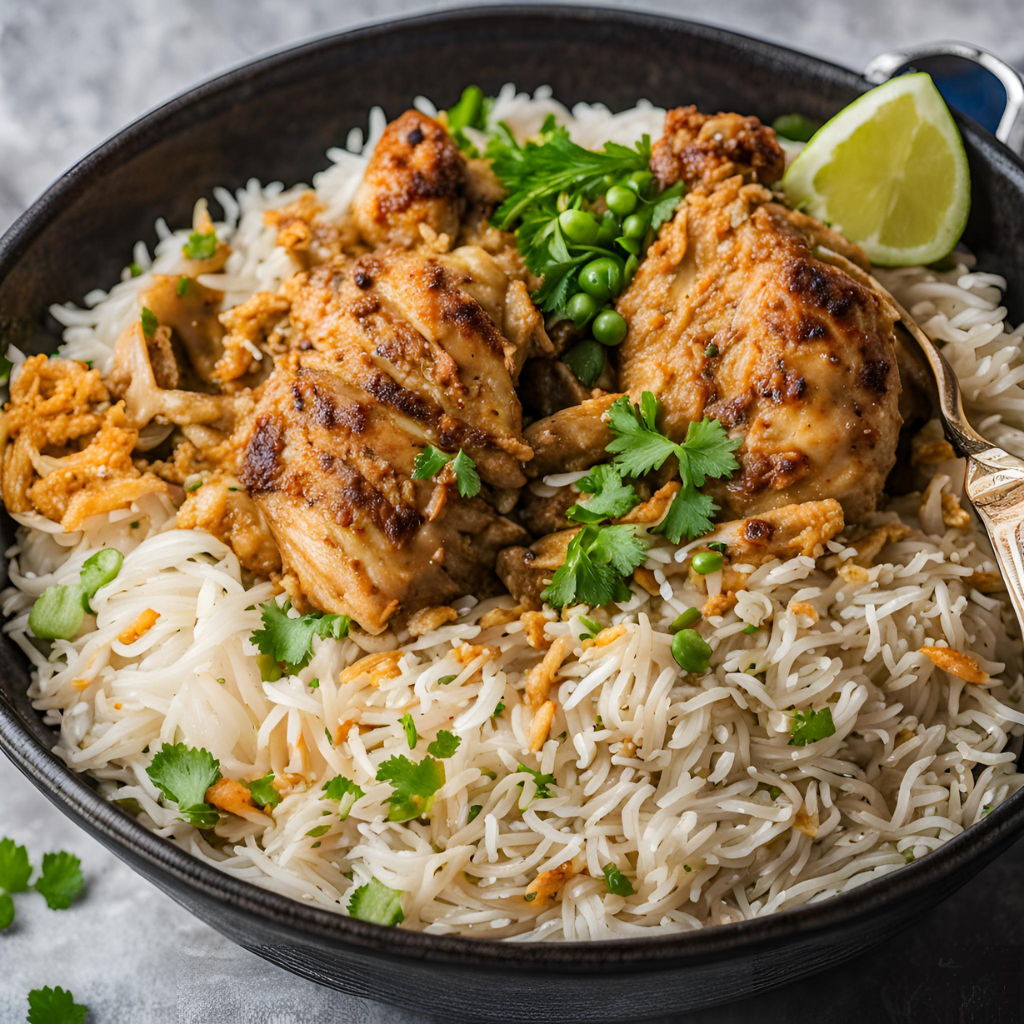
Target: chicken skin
737	315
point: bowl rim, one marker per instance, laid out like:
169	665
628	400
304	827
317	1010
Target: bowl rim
304	922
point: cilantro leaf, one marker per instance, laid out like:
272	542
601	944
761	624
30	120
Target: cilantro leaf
707	451
611	497
616	881
290	640
410	730
54	1006
345	791
445	745
413	785
620	547
638	447
429	463
61	879
466	476
200	246
15	869
541	779
6	911
184	774
689	515
263	792
810	726
595	561
376	903
149	322
432	460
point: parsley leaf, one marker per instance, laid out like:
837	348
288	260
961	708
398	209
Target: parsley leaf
616	881
263	792
445	745
540	778
595	561
413	785
6	911
15	869
432	460
611	497
664	208
200	246
54	1006
810	726
410	730
345	791
376	903
184	774
290	640
61	879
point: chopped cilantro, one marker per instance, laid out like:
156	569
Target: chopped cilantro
6	911
592	627
194	486
718	546
498	708
617	882
263	792
288	640
61	879
445	680
314	684
810	726
410	730
200	246
54	1006
750	630
330	738
596	561
184	774
908	854
639	448
540	778
134	269
318	830
445	745
15	869
149	322
413	785
345	791
432	460
182	286
687	868
376	903
473	812
611	498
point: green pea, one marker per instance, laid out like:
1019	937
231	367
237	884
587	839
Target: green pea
691	651
609	230
639	181
582	308
636	224
579	226
609	327
586	360
602	278
711	351
706	561
686	619
621	200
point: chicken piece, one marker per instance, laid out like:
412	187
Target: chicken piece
571	439
222	508
404	328
527	571
416	176
734	315
308	233
329	465
67	452
249	325
702	149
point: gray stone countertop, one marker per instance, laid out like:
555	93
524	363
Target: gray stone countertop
72	72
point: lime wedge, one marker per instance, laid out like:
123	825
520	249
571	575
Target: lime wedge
889	172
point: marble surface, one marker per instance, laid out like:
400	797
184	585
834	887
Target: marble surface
72	72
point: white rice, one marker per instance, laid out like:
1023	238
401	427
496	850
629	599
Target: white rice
666	778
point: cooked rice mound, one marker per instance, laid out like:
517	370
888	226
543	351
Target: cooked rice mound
688	784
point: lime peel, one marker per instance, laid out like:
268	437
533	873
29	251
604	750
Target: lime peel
889	172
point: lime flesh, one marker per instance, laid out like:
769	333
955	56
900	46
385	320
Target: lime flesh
889	172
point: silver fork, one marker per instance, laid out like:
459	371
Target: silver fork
994	482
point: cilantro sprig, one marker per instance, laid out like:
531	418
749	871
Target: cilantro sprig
263	792
810	726
431	461
288	640
639	447
54	1006
61	879
413	785
596	561
200	245
184	774
609	498
542	780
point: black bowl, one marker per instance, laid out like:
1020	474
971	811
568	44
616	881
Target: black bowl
273	119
